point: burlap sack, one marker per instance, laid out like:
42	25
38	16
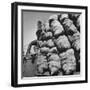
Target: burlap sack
41	63
62	43
63	16
54	63
44	50
53	17
55	25
68	61
50	43
75	40
53	50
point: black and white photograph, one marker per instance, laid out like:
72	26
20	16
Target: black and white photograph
51	44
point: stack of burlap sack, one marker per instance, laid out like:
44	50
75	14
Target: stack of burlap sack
57	51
